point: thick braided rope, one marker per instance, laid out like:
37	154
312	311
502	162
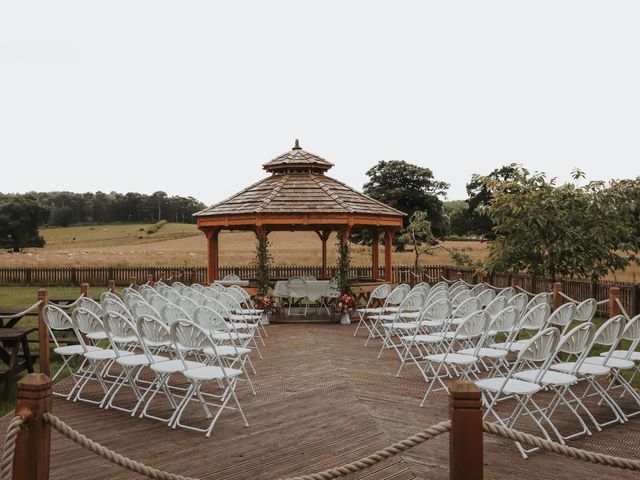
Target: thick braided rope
531	294
567	297
6	467
499	289
73	304
602	302
381	455
32	308
621	307
560	449
108	454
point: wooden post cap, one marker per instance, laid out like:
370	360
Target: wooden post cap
464	390
34	386
42	293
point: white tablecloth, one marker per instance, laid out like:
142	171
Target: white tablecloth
315	288
240	283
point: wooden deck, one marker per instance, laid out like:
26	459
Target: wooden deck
322	400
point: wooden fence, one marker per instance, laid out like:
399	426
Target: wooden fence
99	276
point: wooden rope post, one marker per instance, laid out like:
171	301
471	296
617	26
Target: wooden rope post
150	279
43	333
465	439
458	275
133	281
111	286
557	298
484	278
514	283
194	277
614	309
84	289
31	457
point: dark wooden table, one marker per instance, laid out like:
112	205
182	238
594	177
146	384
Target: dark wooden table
5	311
11	339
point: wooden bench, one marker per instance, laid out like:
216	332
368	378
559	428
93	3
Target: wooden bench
11	339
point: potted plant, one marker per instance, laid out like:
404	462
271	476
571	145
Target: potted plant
344	305
268	305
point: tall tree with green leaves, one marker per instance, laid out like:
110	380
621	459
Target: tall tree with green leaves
20	218
562	230
409	188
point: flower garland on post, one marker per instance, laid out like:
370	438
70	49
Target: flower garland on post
345	304
261	263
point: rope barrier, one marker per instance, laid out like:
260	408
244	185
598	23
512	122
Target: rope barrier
602	302
624	312
447	280
567	297
73	304
22	314
499	289
108	454
518	287
6	466
559	449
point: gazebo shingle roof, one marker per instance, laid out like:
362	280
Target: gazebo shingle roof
299	193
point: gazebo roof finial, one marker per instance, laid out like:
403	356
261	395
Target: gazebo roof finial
297	145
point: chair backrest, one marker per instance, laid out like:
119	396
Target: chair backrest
421	287
171	313
231	278
466	308
631	333
197	287
507	293
397	295
379	293
472	330
585	311
506	320
89	304
519	300
212	293
478	289
186	304
577	340
111	306
486	296
544	297
178	287
536	318
174	295
410	303
309	278
460	297
152	329
219	307
56	319
158	301
110	296
563	315
209	319
188	336
85	321
438	310
138	309
436	295
116	325
609	332
456	289
297	287
541	346
496	305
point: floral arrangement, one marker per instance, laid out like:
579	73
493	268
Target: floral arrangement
266	303
344	304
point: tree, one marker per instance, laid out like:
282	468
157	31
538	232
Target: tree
61	217
569	230
419	234
456	217
408	188
20	218
476	221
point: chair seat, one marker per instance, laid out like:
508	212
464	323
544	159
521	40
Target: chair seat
611	362
74	349
421	339
400	325
241	325
211	372
512	347
106	354
456	358
372	311
172	366
485	352
226	351
251	311
242	318
157	343
97	335
585	368
431	323
138	360
549	378
387	317
635	356
512	386
223	336
130	339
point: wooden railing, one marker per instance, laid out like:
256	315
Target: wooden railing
100	276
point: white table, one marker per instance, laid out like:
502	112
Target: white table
240	283
316	289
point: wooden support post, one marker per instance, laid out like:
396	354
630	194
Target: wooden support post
150	279
465	438
43	333
194	277
31	457
458	275
213	264
375	254
514	283
614	308
557	298
484	278
111	286
323	235
388	241
84	289
133	281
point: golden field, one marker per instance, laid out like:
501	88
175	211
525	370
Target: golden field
184	245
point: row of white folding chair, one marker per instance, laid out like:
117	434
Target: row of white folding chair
185	336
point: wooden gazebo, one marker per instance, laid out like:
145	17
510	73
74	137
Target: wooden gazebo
299	196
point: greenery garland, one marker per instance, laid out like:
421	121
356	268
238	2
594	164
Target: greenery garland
344	263
262	262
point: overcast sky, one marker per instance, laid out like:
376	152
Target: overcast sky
192	97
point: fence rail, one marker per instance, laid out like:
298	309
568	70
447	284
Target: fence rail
73	276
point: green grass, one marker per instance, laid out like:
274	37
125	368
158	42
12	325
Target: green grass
114	234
